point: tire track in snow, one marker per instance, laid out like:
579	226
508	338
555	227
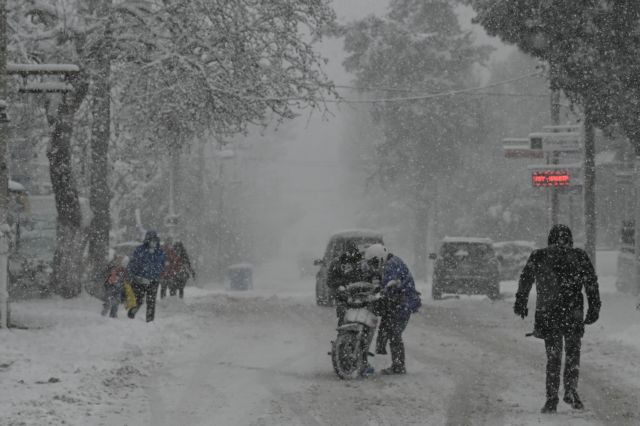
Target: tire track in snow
523	360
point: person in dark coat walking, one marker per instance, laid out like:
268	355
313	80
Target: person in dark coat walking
399	300
344	270
183	271
560	272
145	267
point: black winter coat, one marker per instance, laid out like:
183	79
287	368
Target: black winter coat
559	272
345	269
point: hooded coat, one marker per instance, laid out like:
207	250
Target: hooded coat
148	258
560	272
404	296
345	269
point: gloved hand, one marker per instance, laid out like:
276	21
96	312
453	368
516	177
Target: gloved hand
393	283
520	309
592	316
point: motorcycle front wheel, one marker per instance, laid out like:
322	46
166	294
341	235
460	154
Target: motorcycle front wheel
346	355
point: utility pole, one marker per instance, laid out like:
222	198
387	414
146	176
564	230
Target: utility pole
4	178
589	186
171	220
555	120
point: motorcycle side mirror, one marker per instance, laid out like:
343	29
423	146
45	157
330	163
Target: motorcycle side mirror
433	256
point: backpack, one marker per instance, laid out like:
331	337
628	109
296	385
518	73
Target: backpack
414	302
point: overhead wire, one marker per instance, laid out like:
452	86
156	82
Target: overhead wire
442	94
382	100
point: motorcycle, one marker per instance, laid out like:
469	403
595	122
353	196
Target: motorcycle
350	350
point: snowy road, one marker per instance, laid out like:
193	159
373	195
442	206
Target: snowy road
262	361
253	358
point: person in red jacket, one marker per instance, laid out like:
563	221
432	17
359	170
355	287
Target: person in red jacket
113	285
184	270
171	268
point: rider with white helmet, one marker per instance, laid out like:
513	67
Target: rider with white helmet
400	300
375	256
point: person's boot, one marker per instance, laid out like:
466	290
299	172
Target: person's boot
132	312
397	358
572	398
550	406
394	369
367	370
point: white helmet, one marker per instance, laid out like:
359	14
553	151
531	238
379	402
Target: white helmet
376	252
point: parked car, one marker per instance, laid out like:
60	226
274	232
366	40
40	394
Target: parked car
465	265
362	238
512	256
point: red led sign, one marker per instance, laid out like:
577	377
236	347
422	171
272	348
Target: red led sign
546	178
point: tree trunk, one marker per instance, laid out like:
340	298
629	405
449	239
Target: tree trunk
4	248
589	187
99	193
636	192
67	260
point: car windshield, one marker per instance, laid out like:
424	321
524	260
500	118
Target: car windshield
362	243
467	250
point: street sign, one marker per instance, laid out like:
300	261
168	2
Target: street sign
555	176
519	148
555	142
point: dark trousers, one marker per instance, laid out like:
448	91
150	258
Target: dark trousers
150	290
113	294
553	345
390	330
164	283
177	286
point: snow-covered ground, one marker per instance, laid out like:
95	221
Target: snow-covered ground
260	358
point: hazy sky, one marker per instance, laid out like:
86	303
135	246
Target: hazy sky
312	173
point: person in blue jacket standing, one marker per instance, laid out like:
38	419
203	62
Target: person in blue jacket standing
399	300
145	267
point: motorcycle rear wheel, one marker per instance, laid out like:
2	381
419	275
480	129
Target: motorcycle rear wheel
346	355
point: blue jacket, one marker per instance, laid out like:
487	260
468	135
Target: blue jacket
147	264
405	292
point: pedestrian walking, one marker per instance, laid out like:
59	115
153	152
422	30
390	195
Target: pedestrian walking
116	273
560	272
171	267
184	270
145	267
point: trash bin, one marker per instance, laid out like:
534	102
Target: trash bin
240	276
